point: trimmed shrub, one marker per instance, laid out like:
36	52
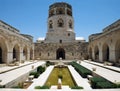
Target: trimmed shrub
2	86
76	87
41	87
48	63
105	84
36	74
95	80
81	70
99	82
40	69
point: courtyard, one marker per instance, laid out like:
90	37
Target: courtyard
9	75
62	60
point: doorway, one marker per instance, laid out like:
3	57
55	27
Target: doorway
60	53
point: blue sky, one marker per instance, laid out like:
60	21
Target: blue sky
30	16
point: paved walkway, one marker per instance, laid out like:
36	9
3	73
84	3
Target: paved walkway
14	74
9	68
79	80
106	73
117	69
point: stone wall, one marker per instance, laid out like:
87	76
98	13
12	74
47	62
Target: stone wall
48	51
105	46
13	45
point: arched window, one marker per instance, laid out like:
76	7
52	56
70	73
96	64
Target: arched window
60	23
50	24
60	11
70	24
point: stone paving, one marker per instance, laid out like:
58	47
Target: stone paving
117	69
78	79
106	73
9	68
14	74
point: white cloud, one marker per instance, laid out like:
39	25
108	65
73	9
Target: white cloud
41	38
80	38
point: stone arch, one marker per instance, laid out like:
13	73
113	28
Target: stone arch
96	53
51	12
106	52
16	53
60	22
3	51
117	51
69	12
60	11
60	53
25	53
90	53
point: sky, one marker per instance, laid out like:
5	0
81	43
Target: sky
30	16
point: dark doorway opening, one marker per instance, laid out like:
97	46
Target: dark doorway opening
60	53
14	53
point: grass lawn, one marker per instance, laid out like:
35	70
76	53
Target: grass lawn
66	77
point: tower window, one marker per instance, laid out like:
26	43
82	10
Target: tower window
39	54
72	54
50	24
48	54
68	34
70	24
60	41
60	23
60	11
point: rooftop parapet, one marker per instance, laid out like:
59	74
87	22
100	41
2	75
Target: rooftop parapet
60	8
60	4
8	27
113	26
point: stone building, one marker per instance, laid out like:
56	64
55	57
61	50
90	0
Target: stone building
60	40
13	45
105	46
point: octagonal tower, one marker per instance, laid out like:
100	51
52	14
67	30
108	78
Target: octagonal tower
60	24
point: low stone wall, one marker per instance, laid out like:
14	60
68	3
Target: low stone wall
17	81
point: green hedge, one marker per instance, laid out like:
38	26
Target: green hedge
105	84
2	86
76	87
42	87
36	74
81	70
40	69
99	82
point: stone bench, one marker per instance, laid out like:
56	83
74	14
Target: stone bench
14	64
108	63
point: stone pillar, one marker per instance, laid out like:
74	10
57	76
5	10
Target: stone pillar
112	56
21	54
93	55
100	55
28	54
9	57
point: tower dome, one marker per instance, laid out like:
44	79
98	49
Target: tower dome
60	23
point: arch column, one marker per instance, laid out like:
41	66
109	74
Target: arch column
100	55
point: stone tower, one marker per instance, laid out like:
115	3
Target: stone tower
60	24
60	41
